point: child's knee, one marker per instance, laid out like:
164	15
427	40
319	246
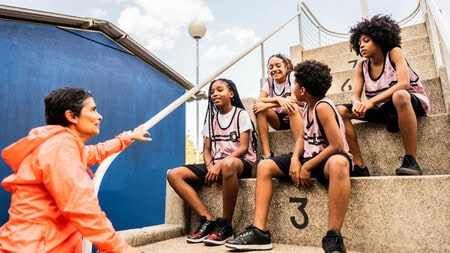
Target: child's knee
264	168
339	166
401	97
343	111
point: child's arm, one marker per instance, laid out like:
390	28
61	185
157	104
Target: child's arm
357	106
295	167
327	118
207	158
265	102
243	145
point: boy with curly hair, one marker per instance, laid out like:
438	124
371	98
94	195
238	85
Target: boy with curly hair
394	93
322	153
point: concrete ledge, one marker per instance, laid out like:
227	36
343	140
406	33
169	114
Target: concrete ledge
386	214
423	65
381	150
147	235
179	245
433	88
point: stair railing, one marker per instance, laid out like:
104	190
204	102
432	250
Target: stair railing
439	34
313	34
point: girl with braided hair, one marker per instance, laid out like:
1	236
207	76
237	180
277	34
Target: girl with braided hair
229	153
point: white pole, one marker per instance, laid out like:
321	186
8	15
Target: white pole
197	150
364	9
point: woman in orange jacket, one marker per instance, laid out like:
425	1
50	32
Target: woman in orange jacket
53	204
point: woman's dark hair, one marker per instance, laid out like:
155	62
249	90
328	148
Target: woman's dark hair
314	76
59	101
383	30
285	60
235	101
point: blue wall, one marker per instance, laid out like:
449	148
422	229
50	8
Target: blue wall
36	59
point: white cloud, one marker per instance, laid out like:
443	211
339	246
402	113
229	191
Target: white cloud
156	24
98	13
231	41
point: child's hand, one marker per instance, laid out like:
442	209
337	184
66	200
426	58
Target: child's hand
358	109
139	134
213	174
287	104
259	107
305	177
294	171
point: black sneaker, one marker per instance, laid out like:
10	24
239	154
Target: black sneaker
333	242
203	230
409	167
359	172
219	234
251	239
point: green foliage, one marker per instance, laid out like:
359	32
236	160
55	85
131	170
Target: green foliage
190	151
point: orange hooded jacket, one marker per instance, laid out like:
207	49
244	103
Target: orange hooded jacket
53	202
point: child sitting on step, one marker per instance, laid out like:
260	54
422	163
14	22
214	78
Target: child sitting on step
275	105
322	153
229	154
394	94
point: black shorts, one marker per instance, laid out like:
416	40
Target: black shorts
284	121
200	170
284	162
387	114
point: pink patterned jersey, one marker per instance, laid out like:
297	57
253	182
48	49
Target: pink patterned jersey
388	78
315	139
226	129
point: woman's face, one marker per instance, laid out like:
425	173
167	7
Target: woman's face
277	69
87	124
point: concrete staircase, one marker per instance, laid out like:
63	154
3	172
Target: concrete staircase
387	213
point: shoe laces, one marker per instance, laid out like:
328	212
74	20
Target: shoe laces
248	231
202	228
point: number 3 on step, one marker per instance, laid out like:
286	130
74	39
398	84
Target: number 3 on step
301	208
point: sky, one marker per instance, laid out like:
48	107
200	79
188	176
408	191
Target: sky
232	27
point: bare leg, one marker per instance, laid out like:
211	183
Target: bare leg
337	170
351	137
407	121
231	168
263	119
178	178
267	169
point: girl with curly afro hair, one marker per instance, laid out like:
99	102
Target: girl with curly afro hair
394	94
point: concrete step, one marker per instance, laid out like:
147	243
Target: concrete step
152	234
347	60
385	214
433	88
344	80
409	34
381	150
179	245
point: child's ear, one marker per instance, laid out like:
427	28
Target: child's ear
70	116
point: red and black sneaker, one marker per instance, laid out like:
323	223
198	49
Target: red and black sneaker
203	230
221	232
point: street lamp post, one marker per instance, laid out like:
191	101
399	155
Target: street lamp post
197	30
